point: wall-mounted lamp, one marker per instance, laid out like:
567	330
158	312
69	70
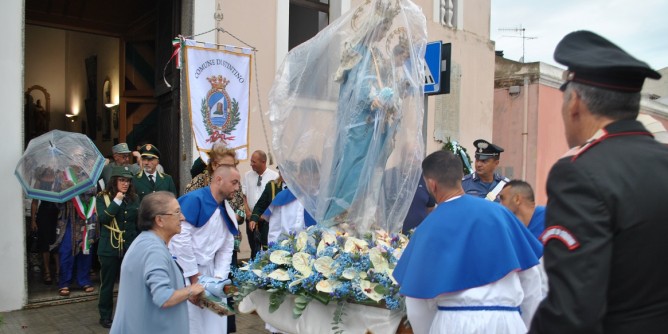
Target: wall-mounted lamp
107	96
73	118
514	90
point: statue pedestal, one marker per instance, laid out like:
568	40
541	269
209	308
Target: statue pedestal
317	317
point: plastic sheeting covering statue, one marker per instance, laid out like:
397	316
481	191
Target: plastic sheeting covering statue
352	98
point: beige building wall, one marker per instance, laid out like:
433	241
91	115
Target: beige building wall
465	114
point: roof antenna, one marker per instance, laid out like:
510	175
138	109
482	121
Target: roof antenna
521	30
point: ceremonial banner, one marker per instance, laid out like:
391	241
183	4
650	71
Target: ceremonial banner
218	86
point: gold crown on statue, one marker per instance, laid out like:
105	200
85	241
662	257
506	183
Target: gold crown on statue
402	41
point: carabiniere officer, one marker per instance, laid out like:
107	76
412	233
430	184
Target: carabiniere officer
484	182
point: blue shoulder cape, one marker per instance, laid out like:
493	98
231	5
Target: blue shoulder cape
285	197
199	205
537	222
465	243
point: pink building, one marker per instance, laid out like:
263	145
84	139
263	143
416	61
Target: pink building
528	123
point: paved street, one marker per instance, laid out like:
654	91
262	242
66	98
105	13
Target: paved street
82	317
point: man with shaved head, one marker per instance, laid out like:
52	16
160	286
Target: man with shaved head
518	197
253	185
470	266
206	241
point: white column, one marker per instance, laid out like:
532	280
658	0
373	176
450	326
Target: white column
13	288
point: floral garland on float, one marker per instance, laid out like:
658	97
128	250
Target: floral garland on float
337	270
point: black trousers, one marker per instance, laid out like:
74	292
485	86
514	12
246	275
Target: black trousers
252	242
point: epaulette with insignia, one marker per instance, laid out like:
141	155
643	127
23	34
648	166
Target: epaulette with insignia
576	151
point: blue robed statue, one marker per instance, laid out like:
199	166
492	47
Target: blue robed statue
348	97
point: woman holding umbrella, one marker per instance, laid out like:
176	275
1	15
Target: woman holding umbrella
117	208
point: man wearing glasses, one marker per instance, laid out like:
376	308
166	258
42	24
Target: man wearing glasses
121	155
253	185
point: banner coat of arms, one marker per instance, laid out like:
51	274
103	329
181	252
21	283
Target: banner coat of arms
218	86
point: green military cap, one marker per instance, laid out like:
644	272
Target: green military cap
149	151
122	171
121	148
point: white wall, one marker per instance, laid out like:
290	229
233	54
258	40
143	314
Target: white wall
12	239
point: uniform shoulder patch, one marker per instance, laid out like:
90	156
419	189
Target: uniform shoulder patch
562	234
467	177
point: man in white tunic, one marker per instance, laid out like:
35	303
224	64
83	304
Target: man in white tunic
206	241
470	267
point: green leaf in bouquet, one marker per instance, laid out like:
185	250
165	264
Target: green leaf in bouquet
301	302
244	290
321	297
381	290
275	300
337	319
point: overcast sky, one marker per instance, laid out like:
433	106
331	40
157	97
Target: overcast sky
640	27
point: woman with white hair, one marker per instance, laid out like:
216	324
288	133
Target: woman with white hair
152	293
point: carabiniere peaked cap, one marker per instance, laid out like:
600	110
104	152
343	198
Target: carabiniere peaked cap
594	61
485	150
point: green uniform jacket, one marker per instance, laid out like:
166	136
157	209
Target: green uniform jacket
126	218
270	191
162	182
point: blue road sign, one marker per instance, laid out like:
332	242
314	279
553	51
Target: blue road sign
432	57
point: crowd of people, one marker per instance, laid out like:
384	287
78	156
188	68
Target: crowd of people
139	202
482	258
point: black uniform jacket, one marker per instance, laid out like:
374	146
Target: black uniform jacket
606	237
